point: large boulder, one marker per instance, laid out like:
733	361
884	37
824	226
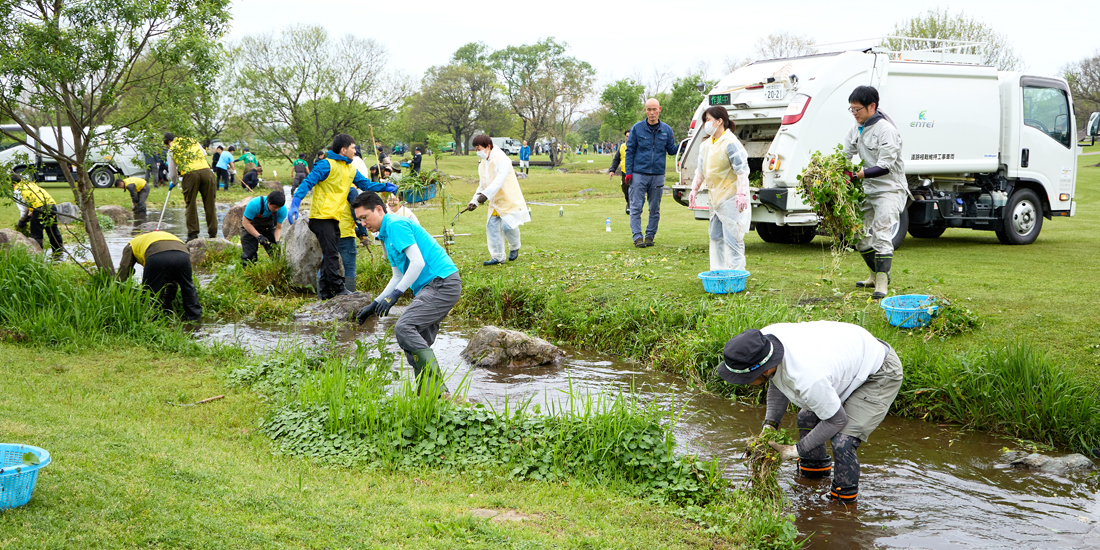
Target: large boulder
303	254
115	212
1051	464
495	347
10	238
272	185
149	227
231	223
67	212
198	248
338	308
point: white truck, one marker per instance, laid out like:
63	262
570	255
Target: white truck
108	161
508	145
1092	128
983	149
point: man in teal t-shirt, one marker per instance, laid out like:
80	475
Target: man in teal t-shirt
421	265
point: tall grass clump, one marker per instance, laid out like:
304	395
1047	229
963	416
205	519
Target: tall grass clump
260	291
1015	391
61	306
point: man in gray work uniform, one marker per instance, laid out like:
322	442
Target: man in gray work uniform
841	378
876	140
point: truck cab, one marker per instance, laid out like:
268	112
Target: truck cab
107	161
982	149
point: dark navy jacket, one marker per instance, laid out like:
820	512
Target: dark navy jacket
646	148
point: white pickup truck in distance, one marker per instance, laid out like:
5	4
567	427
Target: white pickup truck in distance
982	149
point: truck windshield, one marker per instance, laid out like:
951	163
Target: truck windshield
1047	110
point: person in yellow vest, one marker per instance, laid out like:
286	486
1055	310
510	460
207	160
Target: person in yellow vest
37	208
139	191
167	267
507	210
333	178
724	167
618	166
187	158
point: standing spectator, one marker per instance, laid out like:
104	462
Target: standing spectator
187	160
618	166
507	209
301	170
417	158
650	140
223	166
139	191
525	158
152	169
214	161
249	160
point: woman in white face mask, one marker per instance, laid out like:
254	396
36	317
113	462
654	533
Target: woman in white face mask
507	210
724	167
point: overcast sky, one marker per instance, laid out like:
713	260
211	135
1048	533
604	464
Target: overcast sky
622	38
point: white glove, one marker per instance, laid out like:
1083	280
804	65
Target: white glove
691	198
786	452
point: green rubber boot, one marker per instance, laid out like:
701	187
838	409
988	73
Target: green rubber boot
427	373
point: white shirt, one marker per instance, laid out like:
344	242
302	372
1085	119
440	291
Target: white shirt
824	362
404	212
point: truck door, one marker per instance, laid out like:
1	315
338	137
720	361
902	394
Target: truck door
1047	150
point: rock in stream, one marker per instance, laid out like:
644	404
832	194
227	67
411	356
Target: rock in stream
339	308
495	347
1050	464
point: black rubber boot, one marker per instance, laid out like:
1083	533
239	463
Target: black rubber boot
814	463
869	259
882	275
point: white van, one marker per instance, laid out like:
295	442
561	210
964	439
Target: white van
508	145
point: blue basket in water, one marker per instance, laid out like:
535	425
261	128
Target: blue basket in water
909	310
724	281
427	195
17	479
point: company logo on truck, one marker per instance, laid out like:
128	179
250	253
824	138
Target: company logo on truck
933	156
922	121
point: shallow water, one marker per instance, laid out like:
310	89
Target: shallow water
922	485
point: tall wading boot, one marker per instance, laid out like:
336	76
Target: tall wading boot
882	275
427	373
815	463
869	259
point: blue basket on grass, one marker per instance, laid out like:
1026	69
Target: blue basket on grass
17	479
724	281
426	195
909	310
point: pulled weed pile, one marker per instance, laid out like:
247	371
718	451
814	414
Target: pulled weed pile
764	462
834	196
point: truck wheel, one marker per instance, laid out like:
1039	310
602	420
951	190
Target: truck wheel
769	232
102	178
785	234
800	234
926	232
1023	218
900	229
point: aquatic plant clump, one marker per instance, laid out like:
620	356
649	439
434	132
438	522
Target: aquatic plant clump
763	463
834	195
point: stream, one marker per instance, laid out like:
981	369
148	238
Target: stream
922	485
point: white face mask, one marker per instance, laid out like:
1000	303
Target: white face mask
707	129
483	154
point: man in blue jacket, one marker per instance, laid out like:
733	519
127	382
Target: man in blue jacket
525	158
650	140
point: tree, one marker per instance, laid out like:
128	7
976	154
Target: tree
623	101
783	44
942	27
1084	83
678	106
456	98
304	87
541	82
73	62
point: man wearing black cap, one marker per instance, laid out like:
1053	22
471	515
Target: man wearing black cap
841	377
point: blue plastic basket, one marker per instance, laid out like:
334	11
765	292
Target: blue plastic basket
909	310
724	281
16	479
426	195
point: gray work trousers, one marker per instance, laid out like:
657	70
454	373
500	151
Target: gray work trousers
645	187
880	215
418	326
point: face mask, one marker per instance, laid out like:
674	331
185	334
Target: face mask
482	154
707	129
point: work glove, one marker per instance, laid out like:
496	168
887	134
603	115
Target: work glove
366	312
786	452
390	188
22	224
171	186
742	202
850	175
629	179
471	207
691	198
293	213
384	304
481	198
263	241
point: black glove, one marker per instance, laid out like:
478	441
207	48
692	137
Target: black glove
481	198
366	312
22	224
263	240
384	304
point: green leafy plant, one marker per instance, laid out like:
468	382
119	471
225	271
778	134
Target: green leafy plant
834	196
950	319
764	461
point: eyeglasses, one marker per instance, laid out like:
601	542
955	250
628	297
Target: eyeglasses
361	218
854	111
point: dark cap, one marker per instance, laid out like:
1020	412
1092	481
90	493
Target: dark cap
748	355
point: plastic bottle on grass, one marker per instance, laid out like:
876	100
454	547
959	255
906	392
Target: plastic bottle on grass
607	225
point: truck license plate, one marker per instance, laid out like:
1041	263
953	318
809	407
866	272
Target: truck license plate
774	91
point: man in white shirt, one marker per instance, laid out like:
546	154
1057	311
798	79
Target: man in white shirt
841	377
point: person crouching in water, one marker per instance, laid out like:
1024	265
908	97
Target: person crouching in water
139	191
841	378
167	267
724	167
419	264
498	185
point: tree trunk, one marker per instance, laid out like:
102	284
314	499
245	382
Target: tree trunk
85	199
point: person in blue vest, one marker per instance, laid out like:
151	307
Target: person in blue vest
261	224
333	178
650	140
419	264
525	158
